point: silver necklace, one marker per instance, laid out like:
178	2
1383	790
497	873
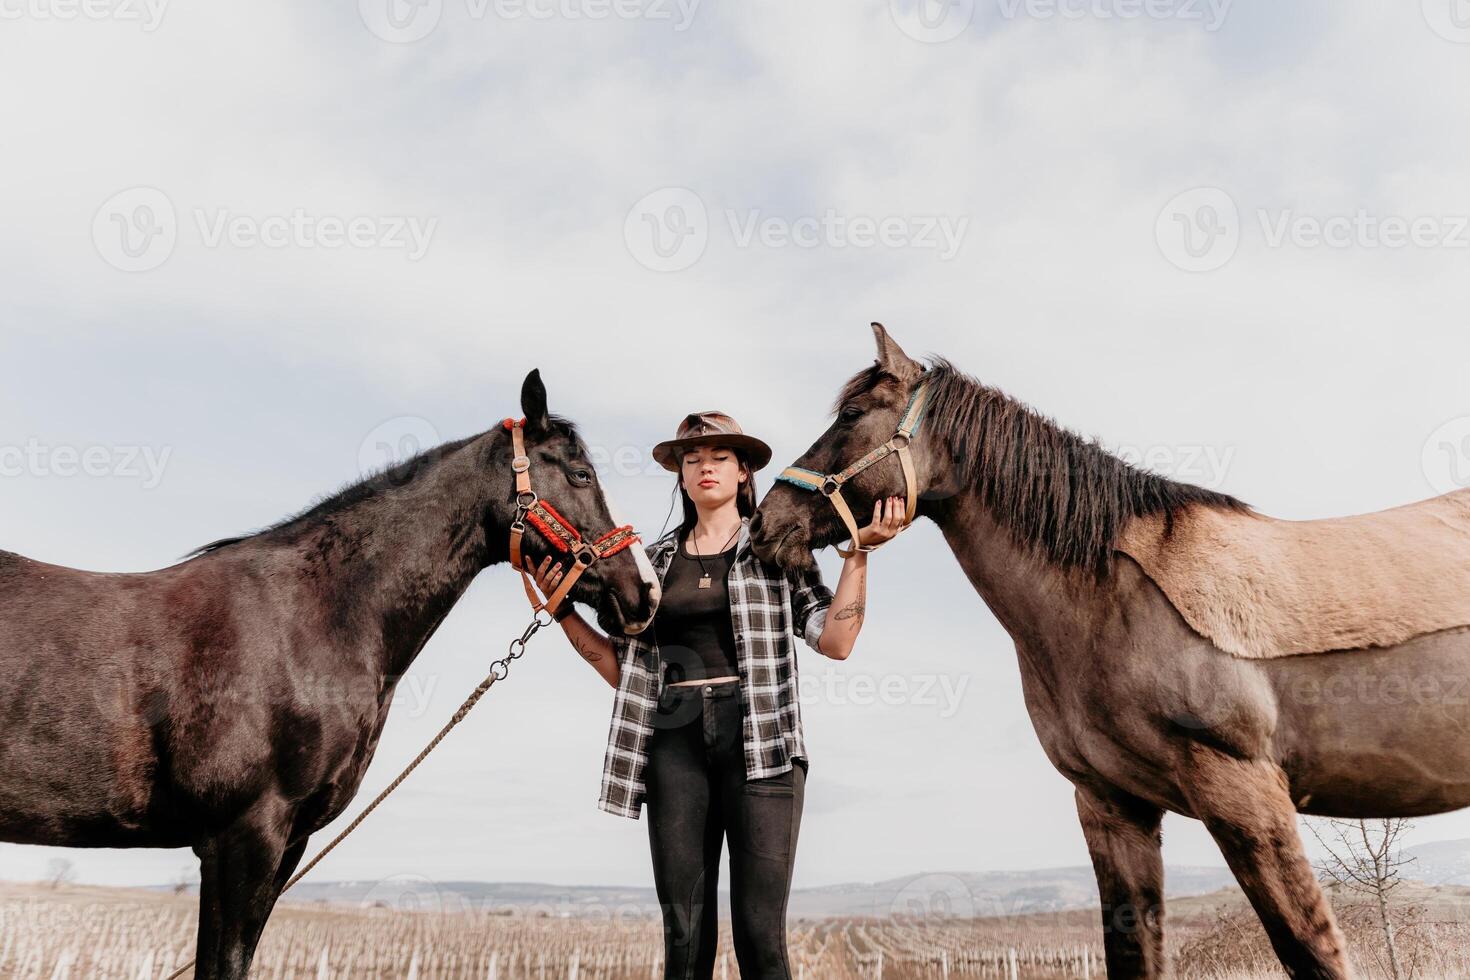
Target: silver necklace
704	580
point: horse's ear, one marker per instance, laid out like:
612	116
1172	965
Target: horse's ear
533	403
891	357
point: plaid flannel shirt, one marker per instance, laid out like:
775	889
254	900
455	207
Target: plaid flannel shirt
770	609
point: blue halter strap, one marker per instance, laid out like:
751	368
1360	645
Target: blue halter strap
830	484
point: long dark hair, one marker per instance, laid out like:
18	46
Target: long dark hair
744	497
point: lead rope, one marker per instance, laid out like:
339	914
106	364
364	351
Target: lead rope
498	671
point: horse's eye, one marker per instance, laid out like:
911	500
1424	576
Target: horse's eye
850	414
582	476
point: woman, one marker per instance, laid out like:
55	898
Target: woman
706	727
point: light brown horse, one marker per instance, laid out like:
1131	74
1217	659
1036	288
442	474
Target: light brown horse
1141	711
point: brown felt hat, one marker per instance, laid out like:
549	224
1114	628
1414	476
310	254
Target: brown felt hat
710	429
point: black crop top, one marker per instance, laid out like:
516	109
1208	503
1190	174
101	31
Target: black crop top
692	626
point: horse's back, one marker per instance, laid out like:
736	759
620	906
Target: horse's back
91	671
1259	587
68	621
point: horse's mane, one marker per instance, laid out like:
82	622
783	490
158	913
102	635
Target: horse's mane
1062	496
375	484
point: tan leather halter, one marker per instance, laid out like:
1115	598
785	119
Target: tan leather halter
557	530
830	484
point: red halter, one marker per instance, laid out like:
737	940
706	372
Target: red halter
557	530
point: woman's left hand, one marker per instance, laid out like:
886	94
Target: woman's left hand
888	515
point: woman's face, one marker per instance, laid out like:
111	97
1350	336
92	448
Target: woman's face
711	475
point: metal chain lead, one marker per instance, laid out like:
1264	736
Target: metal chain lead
517	647
498	671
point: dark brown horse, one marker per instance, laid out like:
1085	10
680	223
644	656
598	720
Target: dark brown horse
1141	712
232	703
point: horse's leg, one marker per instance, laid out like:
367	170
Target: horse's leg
211	921
1123	835
289	861
241	874
1246	806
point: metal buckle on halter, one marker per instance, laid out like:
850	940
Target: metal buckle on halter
585	554
520	463
829	486
900	440
526	504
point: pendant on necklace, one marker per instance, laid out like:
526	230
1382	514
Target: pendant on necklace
704	581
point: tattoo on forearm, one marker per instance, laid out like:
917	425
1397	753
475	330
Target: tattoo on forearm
853	610
588	651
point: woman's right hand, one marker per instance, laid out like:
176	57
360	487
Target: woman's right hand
547	576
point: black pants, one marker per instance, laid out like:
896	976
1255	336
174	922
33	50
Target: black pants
697	794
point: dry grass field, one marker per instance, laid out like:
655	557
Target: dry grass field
84	933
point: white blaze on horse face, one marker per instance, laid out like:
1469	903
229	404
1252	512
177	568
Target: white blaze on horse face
645	567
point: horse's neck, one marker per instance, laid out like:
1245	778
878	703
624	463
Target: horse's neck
1036	602
399	561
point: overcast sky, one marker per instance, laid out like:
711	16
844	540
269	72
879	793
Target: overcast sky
247	246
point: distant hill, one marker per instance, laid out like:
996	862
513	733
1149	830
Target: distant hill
944	893
1441	862
957	893
985	893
